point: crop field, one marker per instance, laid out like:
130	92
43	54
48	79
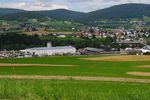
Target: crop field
43	32
76	78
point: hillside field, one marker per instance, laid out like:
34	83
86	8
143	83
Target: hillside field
76	78
44	32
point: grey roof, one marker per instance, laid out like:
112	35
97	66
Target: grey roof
146	47
93	49
130	42
51	48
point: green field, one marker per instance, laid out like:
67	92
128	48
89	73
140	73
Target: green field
71	89
84	68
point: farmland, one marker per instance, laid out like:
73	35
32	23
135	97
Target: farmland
75	78
42	32
81	67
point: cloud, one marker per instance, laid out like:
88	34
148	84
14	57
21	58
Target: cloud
33	5
91	5
13	5
77	5
111	0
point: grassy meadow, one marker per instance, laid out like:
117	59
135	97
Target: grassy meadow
72	90
25	89
81	68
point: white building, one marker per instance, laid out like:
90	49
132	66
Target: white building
145	49
49	50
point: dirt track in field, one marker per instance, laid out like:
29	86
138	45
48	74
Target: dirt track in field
144	66
120	58
139	73
85	78
34	65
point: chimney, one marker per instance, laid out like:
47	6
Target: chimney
49	44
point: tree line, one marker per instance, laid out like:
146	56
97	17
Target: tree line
15	41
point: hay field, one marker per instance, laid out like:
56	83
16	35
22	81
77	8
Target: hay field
121	58
43	32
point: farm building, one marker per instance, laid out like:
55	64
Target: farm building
49	50
96	50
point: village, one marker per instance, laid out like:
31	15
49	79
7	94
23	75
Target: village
125	41
130	42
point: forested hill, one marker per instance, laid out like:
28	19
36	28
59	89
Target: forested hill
58	14
121	12
6	11
116	12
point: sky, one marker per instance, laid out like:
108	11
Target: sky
76	5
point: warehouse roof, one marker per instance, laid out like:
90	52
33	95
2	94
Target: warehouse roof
146	47
93	49
51	48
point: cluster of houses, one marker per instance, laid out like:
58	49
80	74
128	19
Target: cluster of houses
137	23
119	34
46	33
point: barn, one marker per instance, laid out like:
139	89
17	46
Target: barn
49	50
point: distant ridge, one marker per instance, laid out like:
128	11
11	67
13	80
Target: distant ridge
123	11
58	14
5	11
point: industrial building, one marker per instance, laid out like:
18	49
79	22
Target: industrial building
49	50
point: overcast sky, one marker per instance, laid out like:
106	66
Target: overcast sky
76	5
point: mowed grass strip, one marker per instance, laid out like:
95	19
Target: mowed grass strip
120	58
147	74
139	73
85	78
34	65
143	66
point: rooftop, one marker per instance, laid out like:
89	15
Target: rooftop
51	48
